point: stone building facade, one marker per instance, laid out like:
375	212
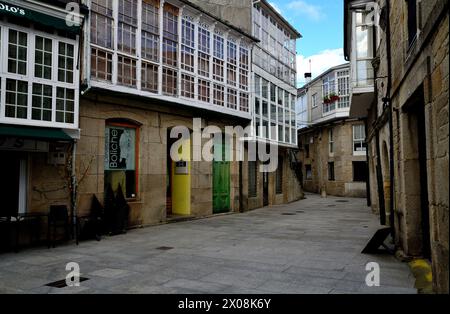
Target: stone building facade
207	75
407	115
39	105
332	146
274	90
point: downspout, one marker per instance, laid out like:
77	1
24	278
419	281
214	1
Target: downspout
368	196
74	190
378	169
387	100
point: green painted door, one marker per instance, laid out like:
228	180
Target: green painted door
221	184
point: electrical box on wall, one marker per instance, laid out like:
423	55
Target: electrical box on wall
56	158
56	154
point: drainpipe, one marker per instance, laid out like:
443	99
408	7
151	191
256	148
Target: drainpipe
387	101
74	190
368	196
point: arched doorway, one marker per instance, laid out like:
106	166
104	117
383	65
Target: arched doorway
178	187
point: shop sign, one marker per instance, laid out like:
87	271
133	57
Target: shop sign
21	144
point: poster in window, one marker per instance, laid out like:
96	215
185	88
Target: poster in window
120	148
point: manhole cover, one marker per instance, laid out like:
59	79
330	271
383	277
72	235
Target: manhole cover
164	248
62	283
342	201
288	214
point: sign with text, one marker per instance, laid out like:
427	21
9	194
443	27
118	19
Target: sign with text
120	148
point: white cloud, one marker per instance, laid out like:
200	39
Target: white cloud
311	11
276	7
319	63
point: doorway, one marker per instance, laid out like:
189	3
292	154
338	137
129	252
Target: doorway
416	146
221	180
13	186
178	180
265	189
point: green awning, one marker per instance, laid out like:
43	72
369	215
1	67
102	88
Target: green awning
57	21
47	134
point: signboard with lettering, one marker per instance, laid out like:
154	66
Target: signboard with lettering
21	144
11	9
120	148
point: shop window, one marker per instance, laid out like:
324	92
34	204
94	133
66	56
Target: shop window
360	171
121	156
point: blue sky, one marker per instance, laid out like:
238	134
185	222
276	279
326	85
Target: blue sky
321	24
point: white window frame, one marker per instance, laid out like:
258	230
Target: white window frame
30	78
360	141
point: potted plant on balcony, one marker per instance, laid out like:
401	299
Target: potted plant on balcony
330	98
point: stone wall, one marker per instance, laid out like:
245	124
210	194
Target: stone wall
154	121
420	84
236	12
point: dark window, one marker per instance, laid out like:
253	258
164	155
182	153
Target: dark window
412	21
360	171
308	171
307	150
252	179
279	176
331	176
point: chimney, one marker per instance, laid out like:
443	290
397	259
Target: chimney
308	77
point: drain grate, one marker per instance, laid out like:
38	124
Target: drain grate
331	205
300	211
342	201
288	214
62	283
164	248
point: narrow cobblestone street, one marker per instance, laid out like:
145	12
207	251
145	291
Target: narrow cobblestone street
311	246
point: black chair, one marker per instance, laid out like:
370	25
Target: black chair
58	218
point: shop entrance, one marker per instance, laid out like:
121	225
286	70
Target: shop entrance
221	181
178	187
13	183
